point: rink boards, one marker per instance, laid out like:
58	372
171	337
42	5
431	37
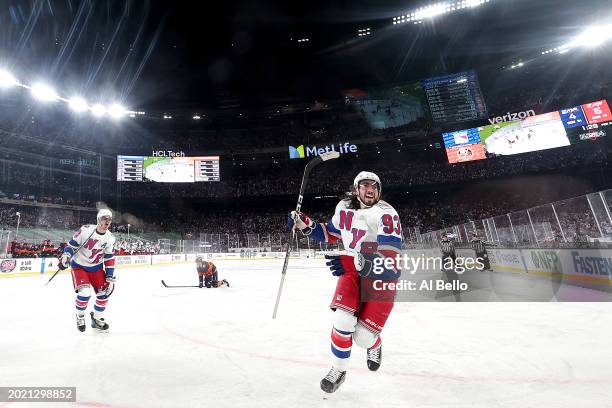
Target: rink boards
585	267
37	266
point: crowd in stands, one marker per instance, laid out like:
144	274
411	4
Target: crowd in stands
136	247
47	248
42	199
32	250
418	215
32	216
267	179
35	171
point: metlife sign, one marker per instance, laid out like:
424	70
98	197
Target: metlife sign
301	152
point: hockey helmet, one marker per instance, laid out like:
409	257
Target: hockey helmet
367	175
105	212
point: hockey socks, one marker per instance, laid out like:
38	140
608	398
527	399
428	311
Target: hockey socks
101	300
81	303
341	344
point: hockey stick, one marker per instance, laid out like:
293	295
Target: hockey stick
178	286
309	166
73	254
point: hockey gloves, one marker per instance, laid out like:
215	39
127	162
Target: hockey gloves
64	261
301	221
339	264
109	286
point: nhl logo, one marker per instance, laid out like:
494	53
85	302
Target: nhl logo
8	265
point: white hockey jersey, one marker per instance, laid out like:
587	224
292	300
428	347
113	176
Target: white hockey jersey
97	250
369	230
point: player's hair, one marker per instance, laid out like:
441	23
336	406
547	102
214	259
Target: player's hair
353	202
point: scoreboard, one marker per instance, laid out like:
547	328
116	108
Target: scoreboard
207	168
564	127
129	168
168	169
455	98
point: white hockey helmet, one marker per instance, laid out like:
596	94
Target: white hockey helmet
105	212
367	175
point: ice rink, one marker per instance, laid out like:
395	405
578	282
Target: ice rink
220	347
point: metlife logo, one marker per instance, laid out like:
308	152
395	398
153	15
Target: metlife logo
300	152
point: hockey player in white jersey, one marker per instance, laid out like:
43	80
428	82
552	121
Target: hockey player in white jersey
370	232
91	255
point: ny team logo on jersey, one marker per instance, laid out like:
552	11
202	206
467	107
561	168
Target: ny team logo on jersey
91	244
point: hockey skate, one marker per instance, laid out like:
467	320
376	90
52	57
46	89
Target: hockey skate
80	321
333	380
99	324
374	357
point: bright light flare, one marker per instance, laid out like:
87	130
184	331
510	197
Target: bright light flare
430	11
593	37
116	111
473	3
44	93
77	104
98	110
7	79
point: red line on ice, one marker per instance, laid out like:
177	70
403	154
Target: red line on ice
424	375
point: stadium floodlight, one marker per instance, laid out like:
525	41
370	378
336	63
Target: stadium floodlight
593	37
77	104
6	79
98	110
430	11
116	111
197	117
474	3
44	93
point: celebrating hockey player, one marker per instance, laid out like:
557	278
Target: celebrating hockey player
207	272
90	254
369	229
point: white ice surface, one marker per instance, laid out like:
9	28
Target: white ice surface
220	347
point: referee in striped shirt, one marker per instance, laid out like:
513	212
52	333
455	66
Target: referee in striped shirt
448	252
448	248
481	251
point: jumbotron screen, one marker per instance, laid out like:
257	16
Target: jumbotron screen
540	132
455	98
168	169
